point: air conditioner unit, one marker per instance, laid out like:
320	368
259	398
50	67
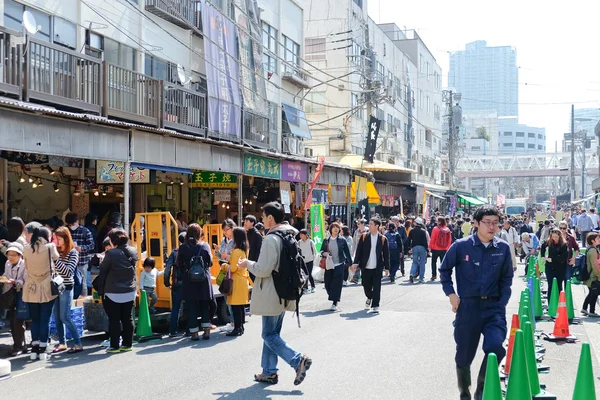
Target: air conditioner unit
308	152
301	147
290	145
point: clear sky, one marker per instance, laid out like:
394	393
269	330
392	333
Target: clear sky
557	43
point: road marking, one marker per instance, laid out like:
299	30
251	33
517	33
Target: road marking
28	372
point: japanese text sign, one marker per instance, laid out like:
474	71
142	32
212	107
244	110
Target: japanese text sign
207	179
262	166
114	172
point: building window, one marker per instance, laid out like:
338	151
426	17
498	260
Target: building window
436	111
311	106
531	135
531	146
507	144
359	113
52	29
406	133
274	114
520	134
160	69
359	3
520	145
390	123
357	150
428	137
428	104
507	133
269	47
540	136
291	55
380	114
421	100
119	54
314	48
397	125
475	148
540	147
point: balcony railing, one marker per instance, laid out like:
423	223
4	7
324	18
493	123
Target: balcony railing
184	110
179	12
132	96
54	74
9	66
294	76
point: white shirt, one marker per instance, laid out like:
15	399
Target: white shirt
595	219
511	235
372	263
148	279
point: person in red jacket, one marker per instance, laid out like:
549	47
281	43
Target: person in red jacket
441	239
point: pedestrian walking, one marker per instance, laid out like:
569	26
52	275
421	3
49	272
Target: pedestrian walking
309	252
372	257
593	283
335	250
173	279
585	225
266	301
239	297
512	238
556	254
418	244
350	242
441	240
254	237
360	230
484	274
85	245
396	246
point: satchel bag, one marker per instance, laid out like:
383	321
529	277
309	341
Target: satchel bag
226	287
57	284
323	262
22	308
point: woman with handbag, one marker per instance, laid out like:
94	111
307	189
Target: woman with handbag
236	283
556	254
593	283
194	261
66	266
337	254
38	291
116	283
13	279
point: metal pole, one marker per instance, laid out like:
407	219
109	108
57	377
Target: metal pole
572	152
583	165
240	195
451	144
126	196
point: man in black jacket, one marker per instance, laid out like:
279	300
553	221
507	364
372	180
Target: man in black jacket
417	242
254	239
372	261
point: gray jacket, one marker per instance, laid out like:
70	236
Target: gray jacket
118	270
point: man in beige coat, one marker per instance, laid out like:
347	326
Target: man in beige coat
267	303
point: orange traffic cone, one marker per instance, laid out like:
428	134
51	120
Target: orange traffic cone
561	325
511	343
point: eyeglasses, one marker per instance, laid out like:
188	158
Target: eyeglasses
489	223
563	229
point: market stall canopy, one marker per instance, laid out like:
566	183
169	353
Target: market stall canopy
585	199
355	161
372	194
472	200
435	195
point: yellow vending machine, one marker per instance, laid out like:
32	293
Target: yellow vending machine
213	234
154	234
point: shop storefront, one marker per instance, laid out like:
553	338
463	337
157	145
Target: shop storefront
294	176
260	183
213	196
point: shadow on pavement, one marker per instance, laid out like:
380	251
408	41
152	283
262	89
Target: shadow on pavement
362	314
256	392
311	314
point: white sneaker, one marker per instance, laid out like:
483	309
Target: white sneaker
106	343
375	310
333	308
227	328
345	283
368	304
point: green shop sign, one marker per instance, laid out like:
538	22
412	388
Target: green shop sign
262	166
207	179
317	224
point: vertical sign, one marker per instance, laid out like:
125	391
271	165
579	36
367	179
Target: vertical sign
372	133
320	165
317	225
363	209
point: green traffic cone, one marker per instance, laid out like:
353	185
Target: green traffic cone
525	316
144	327
492	389
518	381
531	267
570	309
537	299
521	304
534	379
541	265
584	384
553	304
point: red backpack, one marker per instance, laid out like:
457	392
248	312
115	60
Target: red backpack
444	239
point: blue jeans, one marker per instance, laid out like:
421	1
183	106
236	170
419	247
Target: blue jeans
40	322
274	346
419	256
62	317
176	298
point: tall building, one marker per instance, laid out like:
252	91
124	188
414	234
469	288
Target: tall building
487	77
587	119
520	138
479	133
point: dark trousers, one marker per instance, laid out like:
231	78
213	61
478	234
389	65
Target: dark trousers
371	281
435	254
334	282
119	314
394	266
239	316
559	274
309	267
17	329
198	309
590	300
583	236
476	317
402	265
152	296
176	298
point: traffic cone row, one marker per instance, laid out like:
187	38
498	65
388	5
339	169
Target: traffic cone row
561	324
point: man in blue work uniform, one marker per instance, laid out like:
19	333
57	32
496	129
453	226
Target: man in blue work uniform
484	274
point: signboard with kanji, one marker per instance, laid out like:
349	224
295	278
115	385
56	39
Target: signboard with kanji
207	179
317	226
262	166
113	172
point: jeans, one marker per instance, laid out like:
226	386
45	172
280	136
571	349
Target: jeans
84	279
371	282
419	256
435	254
274	346
198	309
62	317
176	298
583	236
119	314
40	322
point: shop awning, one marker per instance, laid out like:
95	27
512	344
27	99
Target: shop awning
471	200
294	122
485	201
372	194
162	168
435	195
356	162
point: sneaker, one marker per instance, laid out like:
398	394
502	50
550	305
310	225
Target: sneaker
593	315
111	350
333	308
305	291
392	280
268	379
368	304
106	343
125	349
421	281
584	312
375	310
412	279
227	328
312	290
302	369
433	278
345	283
354	281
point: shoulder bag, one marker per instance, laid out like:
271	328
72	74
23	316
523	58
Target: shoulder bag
226	286
57	285
197	269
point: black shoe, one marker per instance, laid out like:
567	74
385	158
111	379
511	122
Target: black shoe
235	332
392	280
464	382
412	279
481	380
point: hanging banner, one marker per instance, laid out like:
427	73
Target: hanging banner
292	171
372	134
285	193
222	73
320	165
261	166
208	179
500	200
401	205
338	212
363	209
425	205
113	172
317	226
361	187
452	209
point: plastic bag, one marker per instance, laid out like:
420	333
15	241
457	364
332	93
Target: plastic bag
318	274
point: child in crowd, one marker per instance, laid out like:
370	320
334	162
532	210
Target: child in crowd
13	278
148	281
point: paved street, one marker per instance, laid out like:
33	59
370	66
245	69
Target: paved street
405	352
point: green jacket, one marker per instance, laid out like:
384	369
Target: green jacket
594	270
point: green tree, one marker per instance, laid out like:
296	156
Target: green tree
482	133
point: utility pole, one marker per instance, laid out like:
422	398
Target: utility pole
450	97
573	152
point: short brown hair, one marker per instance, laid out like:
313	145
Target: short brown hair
591	237
442	221
335	225
63	232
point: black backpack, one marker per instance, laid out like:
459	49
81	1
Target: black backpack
197	270
580	268
292	274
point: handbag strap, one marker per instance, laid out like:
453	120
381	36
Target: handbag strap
50	263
